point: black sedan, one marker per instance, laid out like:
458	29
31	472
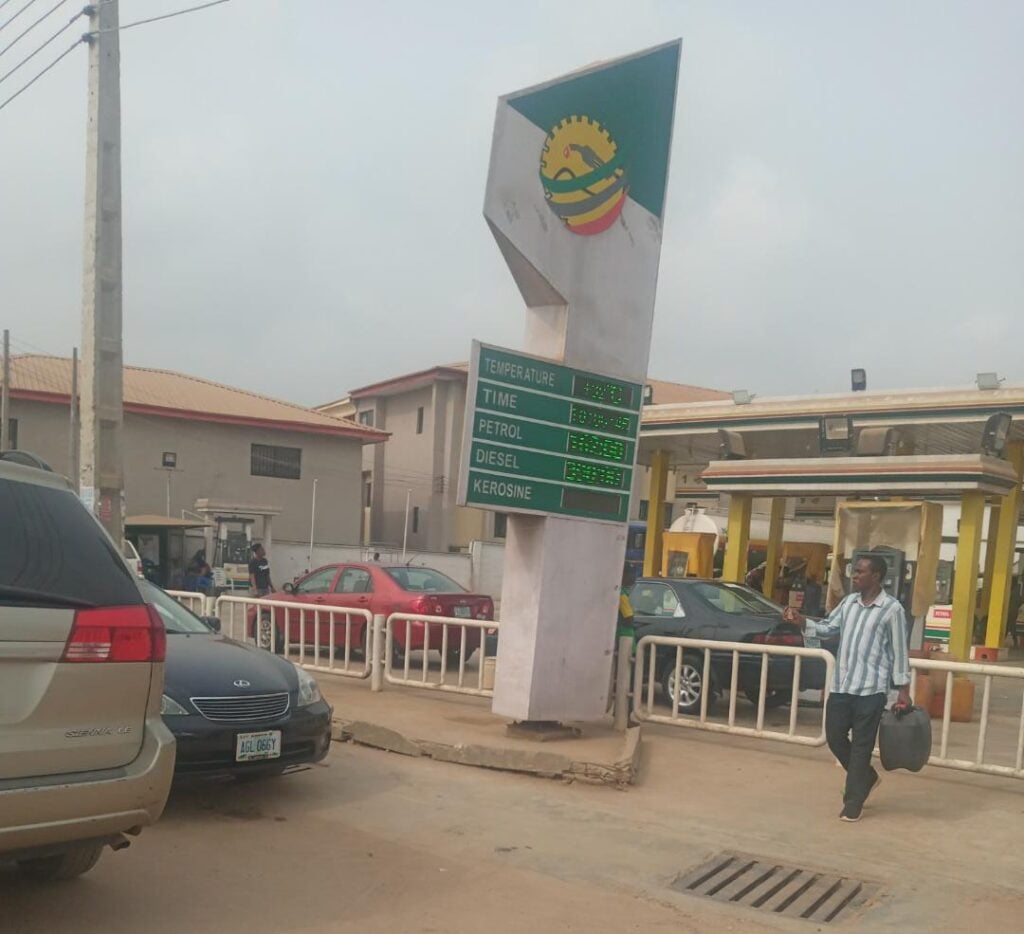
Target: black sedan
233	708
721	612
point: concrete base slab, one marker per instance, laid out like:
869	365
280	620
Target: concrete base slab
462	730
543	731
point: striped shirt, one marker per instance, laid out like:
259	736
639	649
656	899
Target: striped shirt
872	644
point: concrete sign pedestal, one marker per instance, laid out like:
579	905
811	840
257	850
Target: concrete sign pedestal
575	197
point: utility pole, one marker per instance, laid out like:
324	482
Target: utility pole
73	422
5	391
102	409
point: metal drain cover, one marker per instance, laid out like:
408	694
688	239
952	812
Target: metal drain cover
789	891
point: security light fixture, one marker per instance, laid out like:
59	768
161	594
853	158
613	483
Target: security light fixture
170	460
858	380
988	381
835	434
742	397
731	446
648	394
997	430
877	442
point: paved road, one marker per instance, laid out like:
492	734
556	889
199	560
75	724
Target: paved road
378	842
300	854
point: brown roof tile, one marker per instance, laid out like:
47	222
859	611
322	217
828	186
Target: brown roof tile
175	395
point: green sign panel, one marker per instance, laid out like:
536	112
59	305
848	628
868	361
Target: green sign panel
545	438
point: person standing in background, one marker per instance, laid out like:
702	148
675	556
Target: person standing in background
259	572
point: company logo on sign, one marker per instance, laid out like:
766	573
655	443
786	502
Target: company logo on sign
585	182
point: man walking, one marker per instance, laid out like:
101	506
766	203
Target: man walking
872	655
259	572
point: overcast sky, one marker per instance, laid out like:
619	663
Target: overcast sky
303	185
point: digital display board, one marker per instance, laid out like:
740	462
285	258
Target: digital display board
545	438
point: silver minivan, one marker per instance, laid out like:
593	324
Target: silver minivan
85	757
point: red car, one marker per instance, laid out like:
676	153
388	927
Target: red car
379	589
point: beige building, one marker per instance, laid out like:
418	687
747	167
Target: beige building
199	449
423	414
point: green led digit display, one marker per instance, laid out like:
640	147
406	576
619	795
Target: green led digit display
599	420
594	474
602	391
587	445
548	439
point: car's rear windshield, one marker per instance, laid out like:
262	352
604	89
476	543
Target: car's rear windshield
731	598
52	552
177	620
423	580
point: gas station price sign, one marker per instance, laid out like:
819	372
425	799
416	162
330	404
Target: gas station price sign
547	439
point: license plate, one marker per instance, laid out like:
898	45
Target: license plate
249	747
463	611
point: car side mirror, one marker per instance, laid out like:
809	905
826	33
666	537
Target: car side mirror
213	622
288	587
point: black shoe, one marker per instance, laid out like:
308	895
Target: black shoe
851	813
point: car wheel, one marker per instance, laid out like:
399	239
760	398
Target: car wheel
772	699
263	635
454	655
691	684
62	866
397	655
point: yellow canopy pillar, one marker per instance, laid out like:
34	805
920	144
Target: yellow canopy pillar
738	541
774	555
965	586
990	556
1003	548
656	513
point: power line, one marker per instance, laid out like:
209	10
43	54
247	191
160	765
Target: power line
156	19
33	54
14	16
49	67
29	29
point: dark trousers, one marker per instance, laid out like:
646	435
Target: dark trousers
848	714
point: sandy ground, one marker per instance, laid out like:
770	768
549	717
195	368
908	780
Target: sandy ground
380	842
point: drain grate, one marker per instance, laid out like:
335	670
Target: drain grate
789	891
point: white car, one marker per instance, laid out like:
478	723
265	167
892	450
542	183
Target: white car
132	557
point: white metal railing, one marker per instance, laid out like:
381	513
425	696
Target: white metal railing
191	600
304	632
651	649
982	743
451	636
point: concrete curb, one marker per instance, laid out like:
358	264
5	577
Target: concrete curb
542	763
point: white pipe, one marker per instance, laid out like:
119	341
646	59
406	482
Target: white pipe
405	532
312	529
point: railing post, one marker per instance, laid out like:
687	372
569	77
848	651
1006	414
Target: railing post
622	679
377	653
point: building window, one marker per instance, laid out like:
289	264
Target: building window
642	515
500	525
12	434
419	420
269	460
366	418
416	515
668	514
367	489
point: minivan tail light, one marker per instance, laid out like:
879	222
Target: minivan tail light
117	634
